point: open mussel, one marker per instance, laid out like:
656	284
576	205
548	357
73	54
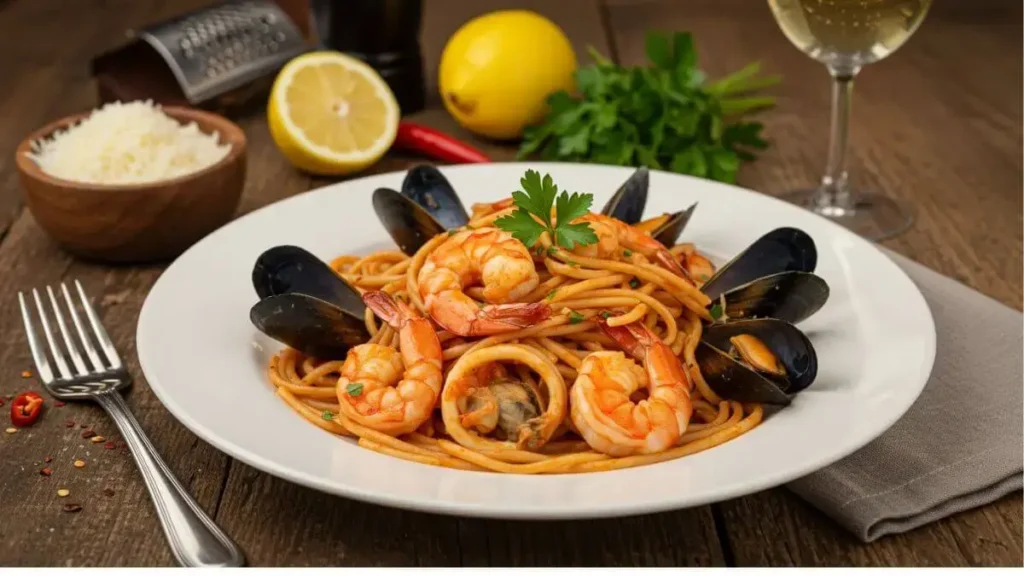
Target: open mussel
305	304
763	360
426	207
772	278
426	186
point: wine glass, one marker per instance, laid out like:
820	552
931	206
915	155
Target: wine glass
845	35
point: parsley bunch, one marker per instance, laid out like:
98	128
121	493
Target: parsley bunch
664	116
532	216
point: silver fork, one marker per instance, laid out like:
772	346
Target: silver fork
194	538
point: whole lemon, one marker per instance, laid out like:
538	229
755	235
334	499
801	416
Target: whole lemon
498	69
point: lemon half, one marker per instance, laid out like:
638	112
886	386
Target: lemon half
331	114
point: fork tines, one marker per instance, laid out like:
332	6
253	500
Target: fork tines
96	363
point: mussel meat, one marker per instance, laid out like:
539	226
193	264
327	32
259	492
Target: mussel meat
761	360
305	304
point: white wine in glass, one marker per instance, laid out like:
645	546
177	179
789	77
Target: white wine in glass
844	35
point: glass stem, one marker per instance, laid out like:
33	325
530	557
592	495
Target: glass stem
833	191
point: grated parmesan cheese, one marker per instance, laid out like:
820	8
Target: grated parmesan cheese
127	143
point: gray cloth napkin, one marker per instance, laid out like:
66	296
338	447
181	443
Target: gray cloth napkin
961	445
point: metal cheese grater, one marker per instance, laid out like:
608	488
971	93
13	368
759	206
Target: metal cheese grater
226	46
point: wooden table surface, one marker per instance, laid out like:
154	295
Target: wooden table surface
938	125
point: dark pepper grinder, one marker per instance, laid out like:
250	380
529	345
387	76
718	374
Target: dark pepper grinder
383	33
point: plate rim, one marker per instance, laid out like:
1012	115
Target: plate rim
768	478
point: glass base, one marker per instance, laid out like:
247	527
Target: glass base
872	215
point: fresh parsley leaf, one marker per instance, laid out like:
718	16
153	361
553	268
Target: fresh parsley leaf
354	389
522	226
572	263
716	311
606	314
665	115
552	250
634	283
575	317
569	207
627	253
569	235
327	415
551	294
532	216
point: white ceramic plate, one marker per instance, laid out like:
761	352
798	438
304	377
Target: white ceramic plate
875	341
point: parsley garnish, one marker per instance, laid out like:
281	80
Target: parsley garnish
627	253
575	317
716	311
354	389
551	294
327	415
634	283
552	250
572	263
703	277
606	314
534	203
665	115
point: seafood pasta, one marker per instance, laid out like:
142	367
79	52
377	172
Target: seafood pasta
484	354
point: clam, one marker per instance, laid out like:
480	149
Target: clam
760	360
519	408
305	304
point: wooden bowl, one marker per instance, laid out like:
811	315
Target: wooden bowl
136	222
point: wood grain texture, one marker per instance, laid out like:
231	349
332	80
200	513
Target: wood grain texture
932	127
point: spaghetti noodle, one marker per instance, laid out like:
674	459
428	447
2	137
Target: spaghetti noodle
546	359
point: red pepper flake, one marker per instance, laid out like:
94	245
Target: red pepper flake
109	446
70	424
59	404
26	373
46	471
88	434
72	508
108	492
26	409
48	459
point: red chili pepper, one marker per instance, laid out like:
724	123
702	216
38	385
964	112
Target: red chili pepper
26	408
436	144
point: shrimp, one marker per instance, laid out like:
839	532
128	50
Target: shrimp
481	209
497	260
698	268
602	411
391	392
613	235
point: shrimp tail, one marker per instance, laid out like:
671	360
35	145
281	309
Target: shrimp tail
520	315
392	311
634	338
665	258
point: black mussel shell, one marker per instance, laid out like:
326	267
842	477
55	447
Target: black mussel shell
781	250
731	379
290	269
430	189
309	325
629	201
669	232
408	223
789	296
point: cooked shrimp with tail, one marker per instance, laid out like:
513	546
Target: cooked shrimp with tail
614	235
602	411
490	257
390	391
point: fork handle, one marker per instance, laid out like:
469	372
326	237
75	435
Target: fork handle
194	538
